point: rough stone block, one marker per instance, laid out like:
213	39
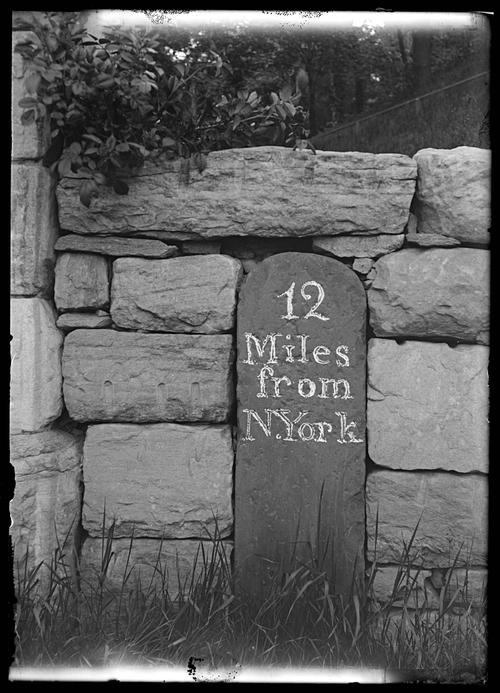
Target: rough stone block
82	282
358	246
33	230
74	321
46	507
158	480
432	293
419	588
453	193
452	512
166	565
254	191
36	383
428	405
115	246
28	141
125	376
185	294
362	265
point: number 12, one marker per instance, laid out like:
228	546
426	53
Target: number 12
289	301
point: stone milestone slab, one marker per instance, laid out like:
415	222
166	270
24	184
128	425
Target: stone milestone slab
300	464
428	405
254	191
185	294
453	196
132	377
157	480
439	292
82	282
115	247
451	511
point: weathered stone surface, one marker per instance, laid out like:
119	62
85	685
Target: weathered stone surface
428	405
362	265
33	230
255	191
432	293
428	240
453	193
125	376
115	247
299	488
158	480
249	265
358	246
416	588
28	141
82	282
74	321
35	381
452	511
185	294
200	247
176	561
46	506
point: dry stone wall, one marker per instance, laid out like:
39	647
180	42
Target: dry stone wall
123	378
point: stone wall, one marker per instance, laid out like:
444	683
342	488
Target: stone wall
123	323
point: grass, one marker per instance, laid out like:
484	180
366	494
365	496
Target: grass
299	623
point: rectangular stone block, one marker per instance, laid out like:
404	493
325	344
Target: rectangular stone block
132	377
158	480
425	588
35	375
450	510
254	191
46	507
28	141
33	230
453	193
165	566
82	282
439	292
428	405
185	294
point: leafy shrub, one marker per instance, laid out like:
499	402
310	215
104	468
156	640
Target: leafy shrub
114	101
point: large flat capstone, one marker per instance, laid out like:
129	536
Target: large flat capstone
35	371
158	480
125	376
453	193
255	191
428	405
185	294
451	511
432	293
300	464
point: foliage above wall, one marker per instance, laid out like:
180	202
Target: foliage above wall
114	101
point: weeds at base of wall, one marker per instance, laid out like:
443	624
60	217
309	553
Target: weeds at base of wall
300	622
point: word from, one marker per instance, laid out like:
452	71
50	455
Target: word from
306	431
305	386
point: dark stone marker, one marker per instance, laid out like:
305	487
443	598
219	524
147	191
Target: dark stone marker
300	463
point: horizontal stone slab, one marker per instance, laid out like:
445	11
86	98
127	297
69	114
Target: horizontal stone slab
453	193
168	566
200	247
358	246
438	292
33	232
74	321
425	588
115	246
451	512
82	282
35	372
132	377
158	480
255	191
46	507
428	405
185	294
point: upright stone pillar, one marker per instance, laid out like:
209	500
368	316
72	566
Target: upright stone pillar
300	463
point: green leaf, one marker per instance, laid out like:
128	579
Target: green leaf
27	102
88	190
28	117
168	142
